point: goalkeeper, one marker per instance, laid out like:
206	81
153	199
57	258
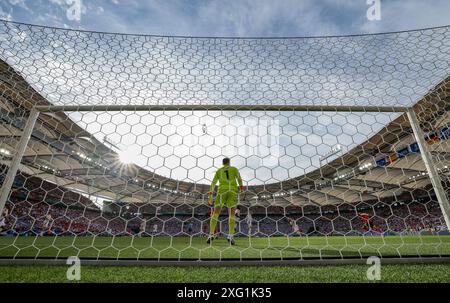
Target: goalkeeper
230	182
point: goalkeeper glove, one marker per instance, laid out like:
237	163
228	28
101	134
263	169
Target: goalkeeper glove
210	198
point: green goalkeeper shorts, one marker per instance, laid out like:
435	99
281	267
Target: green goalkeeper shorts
228	198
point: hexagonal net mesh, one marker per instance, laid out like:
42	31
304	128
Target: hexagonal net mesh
110	143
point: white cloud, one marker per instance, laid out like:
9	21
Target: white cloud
6	15
404	15
58	2
266	18
17	2
237	17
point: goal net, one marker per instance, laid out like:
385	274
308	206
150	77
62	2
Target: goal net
109	145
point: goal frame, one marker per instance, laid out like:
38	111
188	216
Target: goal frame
409	111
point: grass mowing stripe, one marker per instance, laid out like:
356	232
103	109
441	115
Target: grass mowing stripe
195	247
418	273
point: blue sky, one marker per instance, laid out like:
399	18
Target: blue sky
231	17
86	68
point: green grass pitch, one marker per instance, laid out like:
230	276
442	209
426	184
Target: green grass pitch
246	248
405	273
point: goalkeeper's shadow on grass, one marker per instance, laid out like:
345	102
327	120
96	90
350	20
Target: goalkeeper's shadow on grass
311	252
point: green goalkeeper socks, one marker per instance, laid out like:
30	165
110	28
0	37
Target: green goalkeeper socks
231	223
212	225
215	220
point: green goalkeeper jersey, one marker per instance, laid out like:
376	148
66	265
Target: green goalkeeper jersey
228	177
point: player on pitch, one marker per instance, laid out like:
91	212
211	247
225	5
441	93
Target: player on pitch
230	182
